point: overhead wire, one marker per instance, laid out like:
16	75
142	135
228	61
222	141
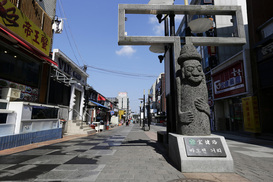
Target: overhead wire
121	73
67	24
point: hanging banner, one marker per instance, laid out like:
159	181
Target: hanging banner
101	98
251	114
14	20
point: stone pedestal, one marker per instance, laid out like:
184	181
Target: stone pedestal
200	153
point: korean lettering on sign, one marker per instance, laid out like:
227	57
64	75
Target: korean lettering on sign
251	114
204	147
14	20
229	81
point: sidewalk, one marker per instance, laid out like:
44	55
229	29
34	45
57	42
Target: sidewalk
264	141
125	153
40	144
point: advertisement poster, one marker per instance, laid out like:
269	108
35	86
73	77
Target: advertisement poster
28	94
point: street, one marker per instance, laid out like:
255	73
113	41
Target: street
125	153
252	161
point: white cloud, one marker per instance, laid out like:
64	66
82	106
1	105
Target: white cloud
158	28
153	19
126	51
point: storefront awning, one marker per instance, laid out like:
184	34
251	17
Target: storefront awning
27	46
98	104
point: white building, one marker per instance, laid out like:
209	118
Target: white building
76	78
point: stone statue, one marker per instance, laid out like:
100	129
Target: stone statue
193	108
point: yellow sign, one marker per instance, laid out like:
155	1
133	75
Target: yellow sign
120	113
13	19
251	114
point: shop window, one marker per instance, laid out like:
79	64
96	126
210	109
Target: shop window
19	69
3	105
3	118
44	112
59	93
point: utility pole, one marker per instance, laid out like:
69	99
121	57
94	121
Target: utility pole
140	115
143	125
127	109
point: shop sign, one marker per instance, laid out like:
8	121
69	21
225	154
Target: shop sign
101	98
251	114
211	50
65	67
14	20
265	52
229	81
122	94
121	113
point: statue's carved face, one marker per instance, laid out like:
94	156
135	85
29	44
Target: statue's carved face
193	71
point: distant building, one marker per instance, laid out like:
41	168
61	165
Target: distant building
157	99
123	105
122	100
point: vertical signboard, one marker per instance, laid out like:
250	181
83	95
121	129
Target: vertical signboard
251	114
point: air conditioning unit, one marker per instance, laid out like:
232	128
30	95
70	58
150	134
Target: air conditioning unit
10	93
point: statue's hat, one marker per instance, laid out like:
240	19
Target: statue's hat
188	52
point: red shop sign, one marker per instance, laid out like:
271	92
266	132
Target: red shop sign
229	81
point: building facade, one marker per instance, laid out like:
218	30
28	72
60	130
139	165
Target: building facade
70	91
157	100
25	45
260	39
238	77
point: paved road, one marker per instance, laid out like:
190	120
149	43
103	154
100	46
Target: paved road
127	153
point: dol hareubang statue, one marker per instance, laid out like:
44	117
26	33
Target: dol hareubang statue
193	108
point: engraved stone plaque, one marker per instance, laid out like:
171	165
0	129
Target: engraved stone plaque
204	147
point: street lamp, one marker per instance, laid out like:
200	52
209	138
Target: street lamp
149	109
200	25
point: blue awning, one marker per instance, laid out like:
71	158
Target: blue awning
98	104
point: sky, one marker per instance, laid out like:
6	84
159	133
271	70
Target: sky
90	37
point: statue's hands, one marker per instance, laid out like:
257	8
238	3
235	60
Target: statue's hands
202	105
186	117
